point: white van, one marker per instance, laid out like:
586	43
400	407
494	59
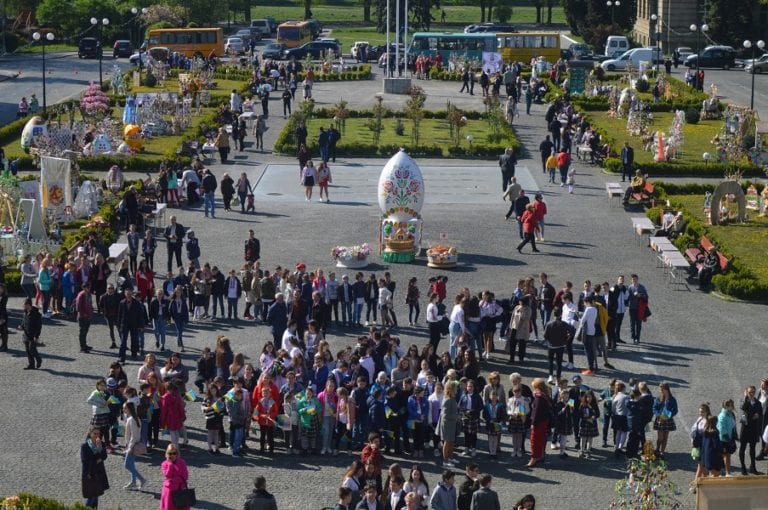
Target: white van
635	55
616	45
262	25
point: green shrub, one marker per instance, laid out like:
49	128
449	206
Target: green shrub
149	80
33	502
642	85
12	41
12	131
672	169
692	115
399	127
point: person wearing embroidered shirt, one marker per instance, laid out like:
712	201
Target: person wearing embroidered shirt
457	327
385	303
588	320
234	289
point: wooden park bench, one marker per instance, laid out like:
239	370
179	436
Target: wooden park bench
645	195
696	253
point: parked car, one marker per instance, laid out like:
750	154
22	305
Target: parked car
158	53
272	25
683	52
581	51
713	56
635	55
234	45
312	48
374	52
274	51
566	54
359	45
122	48
758	66
248	35
88	47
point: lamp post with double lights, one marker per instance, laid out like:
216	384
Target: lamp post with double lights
135	11
49	37
99	24
657	37
698	30
613	4
760	45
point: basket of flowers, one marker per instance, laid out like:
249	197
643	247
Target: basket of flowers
352	257
442	256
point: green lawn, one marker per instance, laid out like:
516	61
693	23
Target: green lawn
432	132
352	12
697	137
223	87
746	242
38	48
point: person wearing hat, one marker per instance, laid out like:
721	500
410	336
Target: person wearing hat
31	327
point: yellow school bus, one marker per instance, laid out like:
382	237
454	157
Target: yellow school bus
294	33
189	41
523	46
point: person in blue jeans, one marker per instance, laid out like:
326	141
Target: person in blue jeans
358	290
158	314
359	398
209	190
588	323
236	413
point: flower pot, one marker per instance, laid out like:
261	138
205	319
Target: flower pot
352	262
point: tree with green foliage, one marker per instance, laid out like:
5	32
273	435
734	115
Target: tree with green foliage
307	9
74	17
729	21
539	4
503	13
591	19
550	4
421	13
414	111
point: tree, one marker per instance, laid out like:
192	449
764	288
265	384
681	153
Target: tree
592	19
307	9
538	4
503	13
367	10
728	21
421	11
549	5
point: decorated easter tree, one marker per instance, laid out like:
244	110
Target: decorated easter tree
94	104
647	486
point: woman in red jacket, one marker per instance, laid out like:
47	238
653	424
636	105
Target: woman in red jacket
541	412
172	415
265	382
145	281
529	228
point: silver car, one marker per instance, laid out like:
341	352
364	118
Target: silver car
758	66
235	45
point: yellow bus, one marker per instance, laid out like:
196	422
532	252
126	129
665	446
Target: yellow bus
294	33
189	41
523	46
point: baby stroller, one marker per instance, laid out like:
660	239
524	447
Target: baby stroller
250	205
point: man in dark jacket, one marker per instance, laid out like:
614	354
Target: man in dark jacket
507	162
252	248
84	310
627	159
31	326
468	487
209	189
545	149
130	318
520	203
546	299
277	318
485	498
556	334
322	143
109	304
333	138
260	499
174	237
218	288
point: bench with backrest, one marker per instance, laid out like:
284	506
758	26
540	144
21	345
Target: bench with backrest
696	253
644	195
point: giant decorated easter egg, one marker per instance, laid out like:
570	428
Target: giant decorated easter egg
35	129
101	145
401	187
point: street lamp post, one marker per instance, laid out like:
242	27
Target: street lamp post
698	30
657	36
104	22
44	38
135	11
748	44
613	4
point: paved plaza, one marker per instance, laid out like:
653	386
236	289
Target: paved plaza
707	348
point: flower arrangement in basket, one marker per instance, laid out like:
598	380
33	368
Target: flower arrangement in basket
351	256
442	256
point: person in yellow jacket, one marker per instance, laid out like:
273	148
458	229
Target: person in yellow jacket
551	166
601	327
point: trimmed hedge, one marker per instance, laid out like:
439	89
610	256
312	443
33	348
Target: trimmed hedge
12	131
614	165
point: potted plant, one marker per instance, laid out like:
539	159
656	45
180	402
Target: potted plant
352	257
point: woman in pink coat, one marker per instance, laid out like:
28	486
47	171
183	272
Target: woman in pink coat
175	474
172	413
